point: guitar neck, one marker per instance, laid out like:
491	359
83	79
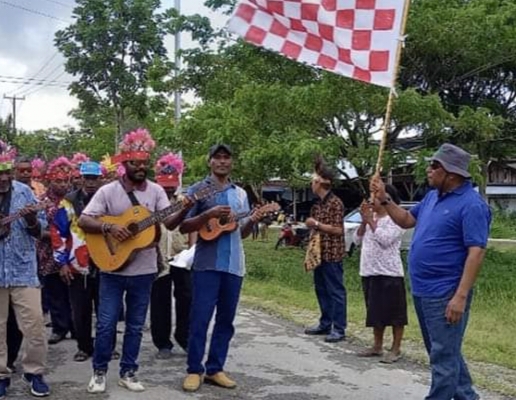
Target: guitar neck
17	215
10	218
159	216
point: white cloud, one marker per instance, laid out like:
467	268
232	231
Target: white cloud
24	51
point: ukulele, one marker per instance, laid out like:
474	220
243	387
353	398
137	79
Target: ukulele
217	226
6	221
110	254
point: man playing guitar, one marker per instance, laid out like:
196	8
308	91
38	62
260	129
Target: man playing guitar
136	278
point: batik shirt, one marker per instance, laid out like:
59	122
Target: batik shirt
47	264
68	240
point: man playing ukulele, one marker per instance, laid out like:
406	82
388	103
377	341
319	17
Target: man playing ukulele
217	272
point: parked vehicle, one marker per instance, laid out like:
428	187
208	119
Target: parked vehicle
290	236
353	220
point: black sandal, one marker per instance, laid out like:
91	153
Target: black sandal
81	356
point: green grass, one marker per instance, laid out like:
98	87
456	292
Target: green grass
277	282
504	225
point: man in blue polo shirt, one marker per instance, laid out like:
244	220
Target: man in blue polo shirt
217	271
451	232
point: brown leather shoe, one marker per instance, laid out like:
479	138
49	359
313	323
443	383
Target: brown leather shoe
192	382
221	379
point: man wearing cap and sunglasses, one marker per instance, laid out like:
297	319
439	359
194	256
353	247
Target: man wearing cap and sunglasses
451	231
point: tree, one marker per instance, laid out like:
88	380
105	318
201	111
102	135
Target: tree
6	131
116	48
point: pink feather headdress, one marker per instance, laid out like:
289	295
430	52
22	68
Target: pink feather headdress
38	167
79	158
60	168
136	145
169	169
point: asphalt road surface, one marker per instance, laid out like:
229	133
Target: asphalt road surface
270	359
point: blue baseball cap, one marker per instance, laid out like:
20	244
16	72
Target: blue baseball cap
90	168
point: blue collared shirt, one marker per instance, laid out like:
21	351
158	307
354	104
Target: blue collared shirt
18	265
226	253
447	226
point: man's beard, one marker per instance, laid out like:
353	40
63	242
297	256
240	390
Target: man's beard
137	179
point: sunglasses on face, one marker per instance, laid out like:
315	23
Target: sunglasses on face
139	163
24	170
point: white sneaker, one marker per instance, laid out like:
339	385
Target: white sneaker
131	382
97	382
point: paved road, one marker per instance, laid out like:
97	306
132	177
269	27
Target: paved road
270	359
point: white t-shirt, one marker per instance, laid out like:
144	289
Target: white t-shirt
380	254
112	199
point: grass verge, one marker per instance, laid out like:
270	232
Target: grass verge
277	283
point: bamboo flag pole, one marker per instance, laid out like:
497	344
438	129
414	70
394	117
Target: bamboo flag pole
390	101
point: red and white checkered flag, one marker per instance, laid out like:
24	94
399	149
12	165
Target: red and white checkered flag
354	38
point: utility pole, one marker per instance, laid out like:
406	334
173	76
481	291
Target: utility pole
14	99
177	48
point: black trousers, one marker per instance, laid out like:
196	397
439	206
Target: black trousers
59	304
161	308
84	298
14	338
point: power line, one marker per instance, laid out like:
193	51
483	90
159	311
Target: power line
51	83
37	89
61	4
46	78
30	10
45	64
21	78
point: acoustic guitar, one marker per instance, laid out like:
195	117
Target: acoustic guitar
110	255
217	226
6	221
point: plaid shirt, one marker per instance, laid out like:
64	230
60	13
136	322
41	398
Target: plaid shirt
330	211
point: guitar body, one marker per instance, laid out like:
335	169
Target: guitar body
108	253
216	227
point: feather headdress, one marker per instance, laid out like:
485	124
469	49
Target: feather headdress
169	169
136	145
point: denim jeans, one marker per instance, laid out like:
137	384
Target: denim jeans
212	289
443	342
137	291
331	296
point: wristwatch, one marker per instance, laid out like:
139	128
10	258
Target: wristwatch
386	201
316	224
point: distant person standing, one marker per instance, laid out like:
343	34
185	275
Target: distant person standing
326	217
382	273
451	232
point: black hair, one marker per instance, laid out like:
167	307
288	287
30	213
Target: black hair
393	193
322	169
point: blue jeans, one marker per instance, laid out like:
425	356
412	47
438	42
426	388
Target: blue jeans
443	342
331	296
137	291
210	290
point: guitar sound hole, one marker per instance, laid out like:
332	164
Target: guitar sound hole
133	228
223	220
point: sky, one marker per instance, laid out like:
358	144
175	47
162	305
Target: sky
28	54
